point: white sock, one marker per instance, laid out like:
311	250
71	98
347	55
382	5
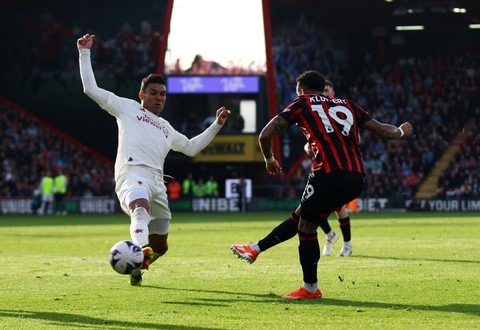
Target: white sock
349	244
255	247
139	226
312	288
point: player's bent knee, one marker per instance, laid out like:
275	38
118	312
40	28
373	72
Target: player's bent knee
141	202
307	227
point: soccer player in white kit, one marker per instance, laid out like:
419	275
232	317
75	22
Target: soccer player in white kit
144	140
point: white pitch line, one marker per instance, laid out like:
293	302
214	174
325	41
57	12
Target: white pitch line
44	256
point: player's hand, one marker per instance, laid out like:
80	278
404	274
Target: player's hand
273	168
407	129
310	149
85	42
222	115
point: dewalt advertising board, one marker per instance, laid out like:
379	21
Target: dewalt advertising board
231	148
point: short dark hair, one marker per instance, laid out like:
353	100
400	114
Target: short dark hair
152	78
311	80
329	83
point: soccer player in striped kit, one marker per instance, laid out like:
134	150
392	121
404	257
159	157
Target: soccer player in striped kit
332	124
287	229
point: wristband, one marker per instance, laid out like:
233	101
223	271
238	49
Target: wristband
269	160
402	133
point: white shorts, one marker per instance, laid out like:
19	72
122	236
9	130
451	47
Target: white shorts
48	198
139	182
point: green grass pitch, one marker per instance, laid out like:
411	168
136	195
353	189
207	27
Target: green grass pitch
407	271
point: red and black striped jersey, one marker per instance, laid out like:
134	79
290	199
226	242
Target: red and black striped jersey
332	125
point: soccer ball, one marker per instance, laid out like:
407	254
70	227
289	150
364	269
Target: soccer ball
126	256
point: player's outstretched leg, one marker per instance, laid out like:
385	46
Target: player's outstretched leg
245	252
281	233
136	274
136	277
147	256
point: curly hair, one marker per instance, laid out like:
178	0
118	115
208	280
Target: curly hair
311	80
152	78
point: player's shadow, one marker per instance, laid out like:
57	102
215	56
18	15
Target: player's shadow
75	321
415	259
471	309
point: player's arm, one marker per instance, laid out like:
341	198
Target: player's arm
193	146
388	131
222	115
275	127
90	88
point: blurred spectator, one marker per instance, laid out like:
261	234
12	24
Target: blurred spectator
60	183
174	189
36	201
47	189
47	60
211	187
149	49
188	185
200	189
203	67
190	126
125	59
236	123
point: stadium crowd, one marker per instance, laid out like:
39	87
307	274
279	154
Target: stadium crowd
40	47
438	92
462	178
28	149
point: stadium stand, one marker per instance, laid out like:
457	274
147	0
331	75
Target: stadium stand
426	89
438	91
461	179
29	146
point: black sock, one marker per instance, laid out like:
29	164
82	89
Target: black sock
309	251
283	232
325	225
345	227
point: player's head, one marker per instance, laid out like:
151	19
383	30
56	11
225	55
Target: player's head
152	78
310	82
328	90
153	93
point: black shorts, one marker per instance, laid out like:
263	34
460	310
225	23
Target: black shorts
326	193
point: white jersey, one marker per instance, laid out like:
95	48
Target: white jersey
143	138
